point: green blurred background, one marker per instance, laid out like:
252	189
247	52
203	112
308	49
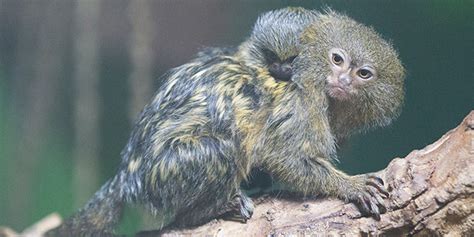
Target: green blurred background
74	75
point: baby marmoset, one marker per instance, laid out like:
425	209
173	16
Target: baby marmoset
279	102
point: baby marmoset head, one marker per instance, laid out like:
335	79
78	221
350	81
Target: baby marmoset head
274	41
359	71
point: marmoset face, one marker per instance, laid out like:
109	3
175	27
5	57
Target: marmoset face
353	62
347	75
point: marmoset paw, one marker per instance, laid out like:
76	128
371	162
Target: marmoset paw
240	208
369	195
246	207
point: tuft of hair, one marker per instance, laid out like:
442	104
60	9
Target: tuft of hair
278	31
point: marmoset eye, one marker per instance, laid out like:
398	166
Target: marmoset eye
270	56
337	59
290	59
364	73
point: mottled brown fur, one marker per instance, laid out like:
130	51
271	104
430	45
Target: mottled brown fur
222	114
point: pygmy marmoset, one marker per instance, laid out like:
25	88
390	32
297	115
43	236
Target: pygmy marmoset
279	102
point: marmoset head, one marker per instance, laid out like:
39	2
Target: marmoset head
274	42
359	71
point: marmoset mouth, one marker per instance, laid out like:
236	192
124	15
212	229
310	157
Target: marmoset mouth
338	92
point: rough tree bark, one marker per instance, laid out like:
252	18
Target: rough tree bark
431	194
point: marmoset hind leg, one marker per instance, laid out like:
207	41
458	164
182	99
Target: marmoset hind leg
196	179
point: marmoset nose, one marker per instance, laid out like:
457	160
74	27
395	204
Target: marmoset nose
281	71
345	79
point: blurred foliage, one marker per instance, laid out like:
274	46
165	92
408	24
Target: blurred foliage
3	144
434	39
